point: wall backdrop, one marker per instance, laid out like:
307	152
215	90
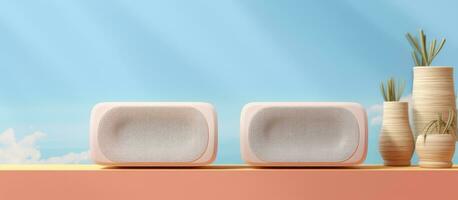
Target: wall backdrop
59	58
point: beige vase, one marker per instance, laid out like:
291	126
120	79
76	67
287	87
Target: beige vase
436	151
396	143
433	92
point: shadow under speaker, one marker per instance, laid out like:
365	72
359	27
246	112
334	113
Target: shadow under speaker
303	134
153	134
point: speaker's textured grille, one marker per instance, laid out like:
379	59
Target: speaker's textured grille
153	134
301	134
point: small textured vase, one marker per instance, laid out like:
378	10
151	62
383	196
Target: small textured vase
436	151
396	143
433	92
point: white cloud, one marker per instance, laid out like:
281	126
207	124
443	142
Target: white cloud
375	114
73	158
376	120
375	109
27	151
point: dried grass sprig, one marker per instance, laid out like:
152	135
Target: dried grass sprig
392	90
440	126
421	55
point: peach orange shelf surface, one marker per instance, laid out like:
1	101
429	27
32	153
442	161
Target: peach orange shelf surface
225	182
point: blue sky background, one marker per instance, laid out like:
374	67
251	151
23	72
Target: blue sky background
59	58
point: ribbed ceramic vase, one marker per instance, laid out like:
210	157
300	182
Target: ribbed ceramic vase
396	142
433	92
436	151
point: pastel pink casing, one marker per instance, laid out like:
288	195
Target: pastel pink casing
124	122
258	112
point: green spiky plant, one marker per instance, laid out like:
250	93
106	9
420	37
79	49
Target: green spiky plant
392	90
440	126
421	54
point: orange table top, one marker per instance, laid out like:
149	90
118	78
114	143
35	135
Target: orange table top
225	182
226	167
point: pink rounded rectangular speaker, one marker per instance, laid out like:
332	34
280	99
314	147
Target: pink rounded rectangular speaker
153	134
303	134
